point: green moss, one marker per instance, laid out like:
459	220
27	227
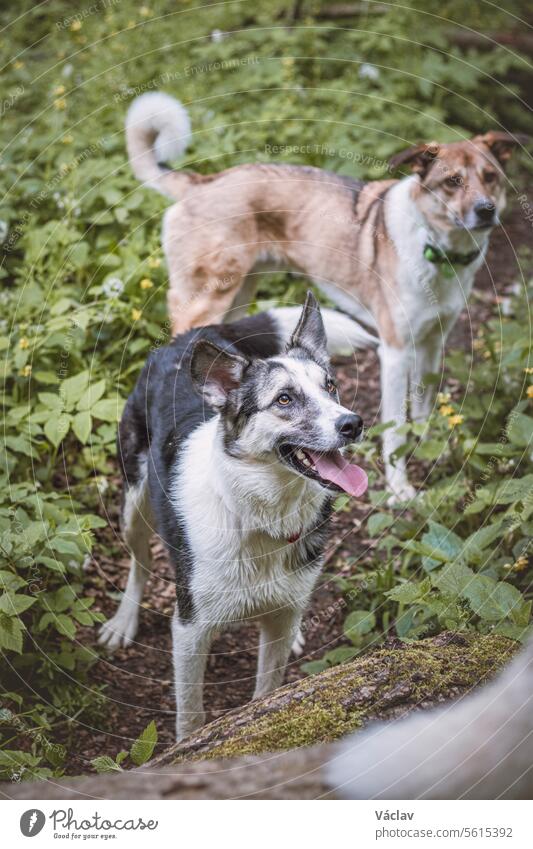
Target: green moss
379	684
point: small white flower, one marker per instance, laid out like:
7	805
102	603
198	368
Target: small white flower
369	72
67	69
4	229
113	287
217	35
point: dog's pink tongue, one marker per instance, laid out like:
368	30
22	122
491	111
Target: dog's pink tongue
333	467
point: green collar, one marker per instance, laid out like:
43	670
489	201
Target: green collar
434	254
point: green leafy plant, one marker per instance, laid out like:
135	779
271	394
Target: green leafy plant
140	751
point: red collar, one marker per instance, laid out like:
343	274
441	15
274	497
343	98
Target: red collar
294	537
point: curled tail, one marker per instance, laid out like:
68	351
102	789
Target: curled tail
158	129
344	334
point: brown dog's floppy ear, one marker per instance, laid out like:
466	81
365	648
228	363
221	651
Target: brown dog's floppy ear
310	333
418	157
502	145
215	373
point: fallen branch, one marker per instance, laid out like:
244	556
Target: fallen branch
380	684
266	745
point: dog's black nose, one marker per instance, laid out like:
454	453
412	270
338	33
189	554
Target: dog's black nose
485	210
350	426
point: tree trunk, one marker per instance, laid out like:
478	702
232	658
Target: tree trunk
299	717
381	684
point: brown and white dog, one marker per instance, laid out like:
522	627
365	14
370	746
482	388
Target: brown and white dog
398	255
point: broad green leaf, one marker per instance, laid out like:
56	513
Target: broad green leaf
56	428
520	429
108	410
358	623
492	600
92	394
104	764
377	522
406	593
11	631
81	425
444	544
452	579
14	603
51	400
65	625
143	746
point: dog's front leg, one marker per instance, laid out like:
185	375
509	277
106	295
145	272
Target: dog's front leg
190	647
277	634
426	360
394	386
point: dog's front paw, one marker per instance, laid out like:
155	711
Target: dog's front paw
118	632
186	728
401	493
298	645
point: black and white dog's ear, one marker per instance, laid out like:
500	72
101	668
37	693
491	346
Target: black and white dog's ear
215	373
310	333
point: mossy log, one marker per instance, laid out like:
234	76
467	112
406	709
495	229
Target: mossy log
263	750
380	684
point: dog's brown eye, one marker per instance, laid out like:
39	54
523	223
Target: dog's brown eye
453	182
331	386
284	400
489	176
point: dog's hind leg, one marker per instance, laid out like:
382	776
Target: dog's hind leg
137	529
278	633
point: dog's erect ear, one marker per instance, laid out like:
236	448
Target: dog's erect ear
502	145
215	373
419	157
310	333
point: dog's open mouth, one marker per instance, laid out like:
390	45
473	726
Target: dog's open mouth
330	468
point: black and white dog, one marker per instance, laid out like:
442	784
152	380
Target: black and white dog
231	450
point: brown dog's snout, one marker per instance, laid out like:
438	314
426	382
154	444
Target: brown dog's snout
485	210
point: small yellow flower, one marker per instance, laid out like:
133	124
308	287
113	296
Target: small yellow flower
26	371
59	89
136	314
146	283
529	391
130	24
75	26
61	103
155	262
446	410
529	370
67	139
144	11
18	65
455	420
478	344
24	343
443	397
486	355
287	61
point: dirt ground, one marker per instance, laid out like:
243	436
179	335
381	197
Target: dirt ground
139	679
